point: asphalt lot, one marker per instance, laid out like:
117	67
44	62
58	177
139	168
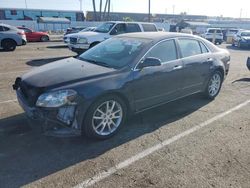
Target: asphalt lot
216	155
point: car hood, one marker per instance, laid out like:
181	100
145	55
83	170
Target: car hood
87	34
64	72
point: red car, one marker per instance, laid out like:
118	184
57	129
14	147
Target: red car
34	36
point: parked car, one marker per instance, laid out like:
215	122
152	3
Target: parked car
74	30
66	38
81	42
130	73
242	39
35	36
11	37
214	35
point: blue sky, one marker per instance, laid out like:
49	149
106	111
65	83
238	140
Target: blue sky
204	7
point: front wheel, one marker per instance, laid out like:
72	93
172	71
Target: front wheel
9	45
44	38
214	85
105	117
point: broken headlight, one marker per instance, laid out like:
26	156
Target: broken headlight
56	99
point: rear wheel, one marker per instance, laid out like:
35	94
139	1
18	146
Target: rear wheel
214	85
105	117
9	45
44	38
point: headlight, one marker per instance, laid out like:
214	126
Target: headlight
56	98
82	41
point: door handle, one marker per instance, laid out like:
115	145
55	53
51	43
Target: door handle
177	67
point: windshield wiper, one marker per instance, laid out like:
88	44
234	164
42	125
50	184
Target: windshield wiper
96	62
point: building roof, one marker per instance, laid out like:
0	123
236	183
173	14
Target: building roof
197	23
53	20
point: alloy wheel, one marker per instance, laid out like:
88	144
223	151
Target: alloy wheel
107	118
214	85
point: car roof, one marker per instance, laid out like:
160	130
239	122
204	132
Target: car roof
130	22
9	26
157	35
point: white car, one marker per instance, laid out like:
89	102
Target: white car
80	42
214	35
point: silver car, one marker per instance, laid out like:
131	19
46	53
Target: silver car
11	37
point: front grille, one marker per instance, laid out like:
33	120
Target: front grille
73	40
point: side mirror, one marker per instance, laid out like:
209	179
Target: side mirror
150	62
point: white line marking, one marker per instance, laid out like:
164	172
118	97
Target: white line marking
131	160
9	101
14	72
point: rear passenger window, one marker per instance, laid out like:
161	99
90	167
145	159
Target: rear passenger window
149	27
203	48
165	51
133	28
189	47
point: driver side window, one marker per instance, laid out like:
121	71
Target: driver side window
165	51
119	29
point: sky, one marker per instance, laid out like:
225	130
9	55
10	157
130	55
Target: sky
223	8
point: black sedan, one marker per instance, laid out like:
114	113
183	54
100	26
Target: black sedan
94	93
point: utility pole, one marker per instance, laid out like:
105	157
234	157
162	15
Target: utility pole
173	9
105	9
93	2
100	17
241	12
80	5
109	10
26	6
149	10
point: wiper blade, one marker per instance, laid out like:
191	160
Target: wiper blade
96	62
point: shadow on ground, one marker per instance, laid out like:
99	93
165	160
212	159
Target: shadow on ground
230	47
40	62
26	155
242	80
58	46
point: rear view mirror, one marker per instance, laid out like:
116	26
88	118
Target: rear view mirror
150	62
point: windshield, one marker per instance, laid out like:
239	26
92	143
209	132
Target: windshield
105	27
116	52
245	34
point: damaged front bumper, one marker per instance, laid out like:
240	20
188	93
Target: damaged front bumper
59	122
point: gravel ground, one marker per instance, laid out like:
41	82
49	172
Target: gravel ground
217	155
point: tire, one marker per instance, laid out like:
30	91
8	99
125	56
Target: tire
44	38
214	85
102	124
9	45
